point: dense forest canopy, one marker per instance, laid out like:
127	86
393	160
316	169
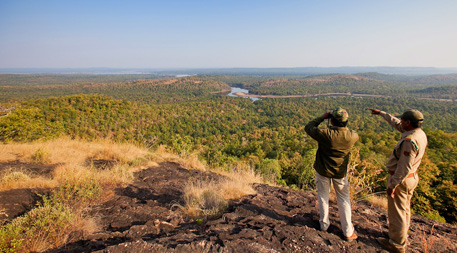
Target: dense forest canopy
193	114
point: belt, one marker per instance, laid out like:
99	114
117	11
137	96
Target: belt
410	175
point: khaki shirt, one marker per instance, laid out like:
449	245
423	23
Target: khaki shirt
407	154
335	143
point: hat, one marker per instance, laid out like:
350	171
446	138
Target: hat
341	115
412	115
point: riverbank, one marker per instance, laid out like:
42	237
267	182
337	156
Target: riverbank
243	94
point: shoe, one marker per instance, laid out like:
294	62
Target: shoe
351	238
323	228
388	246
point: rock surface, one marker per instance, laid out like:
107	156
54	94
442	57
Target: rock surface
143	217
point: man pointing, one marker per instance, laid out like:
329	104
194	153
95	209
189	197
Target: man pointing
403	179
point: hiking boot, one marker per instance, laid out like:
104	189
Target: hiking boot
351	238
384	242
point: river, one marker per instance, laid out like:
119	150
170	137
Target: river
238	92
235	90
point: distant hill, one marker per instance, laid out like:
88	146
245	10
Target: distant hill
423	79
412	71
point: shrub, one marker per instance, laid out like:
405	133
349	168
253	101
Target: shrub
270	170
363	175
43	227
49	224
40	157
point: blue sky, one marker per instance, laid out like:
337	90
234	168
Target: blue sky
227	33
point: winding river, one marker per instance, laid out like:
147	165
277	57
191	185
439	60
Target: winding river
238	92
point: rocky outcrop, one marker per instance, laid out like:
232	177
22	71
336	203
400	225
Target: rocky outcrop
141	218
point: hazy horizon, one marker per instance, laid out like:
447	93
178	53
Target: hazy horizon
227	34
409	71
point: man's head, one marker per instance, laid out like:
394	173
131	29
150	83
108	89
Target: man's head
415	117
340	117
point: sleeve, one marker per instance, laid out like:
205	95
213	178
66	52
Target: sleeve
393	121
312	129
404	166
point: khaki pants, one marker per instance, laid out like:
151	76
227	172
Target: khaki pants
400	213
341	187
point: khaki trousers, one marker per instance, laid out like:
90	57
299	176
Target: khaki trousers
341	187
399	212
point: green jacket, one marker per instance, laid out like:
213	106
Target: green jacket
335	143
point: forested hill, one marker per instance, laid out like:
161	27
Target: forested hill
442	87
170	90
267	135
422	79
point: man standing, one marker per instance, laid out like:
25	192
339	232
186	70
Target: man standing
403	179
331	165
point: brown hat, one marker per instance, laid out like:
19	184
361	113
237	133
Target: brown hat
412	115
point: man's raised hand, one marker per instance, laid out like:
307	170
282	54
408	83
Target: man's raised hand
375	111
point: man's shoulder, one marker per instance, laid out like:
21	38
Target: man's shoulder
415	135
411	140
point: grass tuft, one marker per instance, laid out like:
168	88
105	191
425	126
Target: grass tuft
380	200
40	157
209	198
14	176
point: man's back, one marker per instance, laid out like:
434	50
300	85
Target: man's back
335	143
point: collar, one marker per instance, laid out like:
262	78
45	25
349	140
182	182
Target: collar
410	132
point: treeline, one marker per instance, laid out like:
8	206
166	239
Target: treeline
171	90
149	89
56	79
268	134
423	79
360	84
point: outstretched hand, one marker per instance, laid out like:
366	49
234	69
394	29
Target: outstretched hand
375	111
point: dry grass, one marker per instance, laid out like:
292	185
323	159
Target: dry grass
15	178
190	161
427	240
68	151
72	158
81	183
378	200
208	199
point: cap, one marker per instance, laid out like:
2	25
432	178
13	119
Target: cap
412	115
340	114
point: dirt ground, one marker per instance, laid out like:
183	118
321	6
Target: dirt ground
143	217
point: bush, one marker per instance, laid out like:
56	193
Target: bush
48	225
43	227
363	175
270	170
40	157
